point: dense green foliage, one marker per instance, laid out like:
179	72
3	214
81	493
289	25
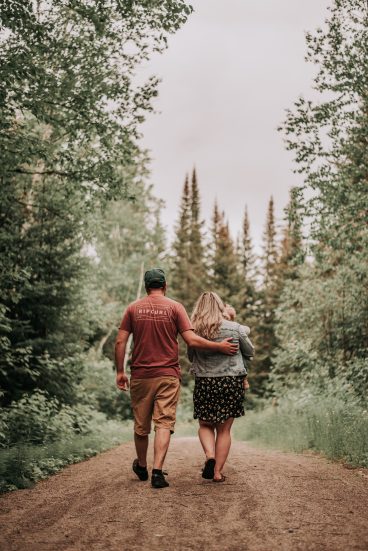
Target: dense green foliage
323	315
70	111
319	373
78	221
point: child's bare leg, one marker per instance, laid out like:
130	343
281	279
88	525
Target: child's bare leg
206	433
222	447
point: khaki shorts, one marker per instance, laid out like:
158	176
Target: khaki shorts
155	398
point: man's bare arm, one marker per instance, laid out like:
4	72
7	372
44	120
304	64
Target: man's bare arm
122	380
223	347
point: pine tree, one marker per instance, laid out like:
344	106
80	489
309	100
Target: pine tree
180	278
216	225
291	249
198	269
249	294
265	340
225	274
247	254
270	256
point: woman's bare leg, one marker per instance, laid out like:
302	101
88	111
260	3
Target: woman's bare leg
222	447
206	433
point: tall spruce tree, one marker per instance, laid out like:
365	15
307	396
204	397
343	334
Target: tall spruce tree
226	278
198	269
189	267
215	230
249	294
270	253
247	253
265	339
291	248
180	276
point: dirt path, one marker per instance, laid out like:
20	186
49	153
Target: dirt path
270	501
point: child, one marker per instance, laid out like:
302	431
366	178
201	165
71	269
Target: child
229	313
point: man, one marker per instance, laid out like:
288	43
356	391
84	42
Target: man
155	322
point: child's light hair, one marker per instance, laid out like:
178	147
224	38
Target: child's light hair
208	315
229	312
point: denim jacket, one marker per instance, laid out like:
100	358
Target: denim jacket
213	364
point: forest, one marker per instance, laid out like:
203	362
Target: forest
80	221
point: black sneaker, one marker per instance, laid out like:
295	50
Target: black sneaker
208	471
141	472
158	480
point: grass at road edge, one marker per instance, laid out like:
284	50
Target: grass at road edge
332	427
24	464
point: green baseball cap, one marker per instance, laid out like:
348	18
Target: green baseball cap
155	278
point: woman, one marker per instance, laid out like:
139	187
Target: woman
219	382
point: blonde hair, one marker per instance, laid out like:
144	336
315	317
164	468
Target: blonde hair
207	315
229	312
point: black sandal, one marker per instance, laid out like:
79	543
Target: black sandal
222	479
209	469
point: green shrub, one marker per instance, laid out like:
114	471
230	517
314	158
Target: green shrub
324	423
35	418
38	419
22	465
322	322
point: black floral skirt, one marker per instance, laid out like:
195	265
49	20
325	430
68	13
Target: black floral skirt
218	398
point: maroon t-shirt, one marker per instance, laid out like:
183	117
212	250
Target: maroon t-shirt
155	322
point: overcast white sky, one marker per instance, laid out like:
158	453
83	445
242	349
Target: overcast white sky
227	78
